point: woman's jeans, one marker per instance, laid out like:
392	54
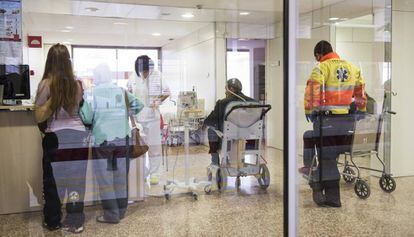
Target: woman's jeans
65	157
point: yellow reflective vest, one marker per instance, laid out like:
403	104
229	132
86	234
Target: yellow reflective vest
333	85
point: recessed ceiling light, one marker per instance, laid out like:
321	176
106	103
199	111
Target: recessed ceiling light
156	34
333	18
120	23
165	14
65	31
188	15
242	39
69	27
92	9
244	13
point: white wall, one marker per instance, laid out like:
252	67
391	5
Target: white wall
274	92
190	62
402	129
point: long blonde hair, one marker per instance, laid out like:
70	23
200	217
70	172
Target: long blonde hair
63	86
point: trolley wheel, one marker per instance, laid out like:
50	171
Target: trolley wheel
387	183
350	177
264	176
167	196
195	196
362	189
221	179
207	189
238	182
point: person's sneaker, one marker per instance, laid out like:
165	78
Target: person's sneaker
52	228
74	229
154	180
304	170
318	197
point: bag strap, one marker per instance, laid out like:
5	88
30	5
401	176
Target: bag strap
134	125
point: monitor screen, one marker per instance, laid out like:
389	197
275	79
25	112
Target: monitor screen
16	81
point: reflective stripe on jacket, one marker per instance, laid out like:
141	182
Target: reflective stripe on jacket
333	85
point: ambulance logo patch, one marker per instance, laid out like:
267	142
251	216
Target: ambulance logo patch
342	74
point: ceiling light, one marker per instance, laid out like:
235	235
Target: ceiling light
242	39
165	14
156	34
333	18
188	15
92	9
120	23
65	31
69	27
244	13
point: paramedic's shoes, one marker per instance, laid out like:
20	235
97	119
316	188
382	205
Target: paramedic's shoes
318	197
333	204
154	180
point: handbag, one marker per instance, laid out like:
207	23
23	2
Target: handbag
137	145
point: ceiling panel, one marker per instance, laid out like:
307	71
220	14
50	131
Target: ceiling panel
139	32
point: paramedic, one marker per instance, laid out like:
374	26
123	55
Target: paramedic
333	85
216	118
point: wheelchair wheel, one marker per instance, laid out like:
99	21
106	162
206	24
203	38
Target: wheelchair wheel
348	175
264	176
387	183
221	179
362	189
209	175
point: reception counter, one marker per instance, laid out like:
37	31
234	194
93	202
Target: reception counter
21	164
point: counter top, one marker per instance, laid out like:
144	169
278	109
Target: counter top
17	107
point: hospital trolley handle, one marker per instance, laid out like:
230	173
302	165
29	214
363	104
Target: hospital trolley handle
391	112
266	109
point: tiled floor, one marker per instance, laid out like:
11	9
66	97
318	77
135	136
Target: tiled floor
247	212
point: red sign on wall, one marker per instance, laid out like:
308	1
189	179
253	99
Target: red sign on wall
34	41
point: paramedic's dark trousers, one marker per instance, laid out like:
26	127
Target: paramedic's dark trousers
336	139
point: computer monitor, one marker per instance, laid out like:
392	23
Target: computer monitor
16	81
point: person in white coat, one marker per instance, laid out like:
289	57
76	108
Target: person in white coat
146	85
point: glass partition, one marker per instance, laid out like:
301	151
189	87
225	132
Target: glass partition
350	144
208	160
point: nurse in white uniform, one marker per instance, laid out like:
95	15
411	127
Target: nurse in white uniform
146	85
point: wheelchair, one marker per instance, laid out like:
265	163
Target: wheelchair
241	152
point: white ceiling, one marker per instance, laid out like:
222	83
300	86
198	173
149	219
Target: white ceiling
131	22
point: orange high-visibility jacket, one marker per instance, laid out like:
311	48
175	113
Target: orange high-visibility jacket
333	85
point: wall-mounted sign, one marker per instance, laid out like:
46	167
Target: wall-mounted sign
11	51
34	41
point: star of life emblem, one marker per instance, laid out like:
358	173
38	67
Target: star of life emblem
342	74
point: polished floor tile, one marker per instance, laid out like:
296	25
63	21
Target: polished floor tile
249	211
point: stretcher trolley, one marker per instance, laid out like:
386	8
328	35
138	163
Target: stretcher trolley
365	142
241	152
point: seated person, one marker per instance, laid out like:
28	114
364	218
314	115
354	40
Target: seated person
216	117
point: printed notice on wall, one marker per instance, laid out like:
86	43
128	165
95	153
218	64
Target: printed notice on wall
11	32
